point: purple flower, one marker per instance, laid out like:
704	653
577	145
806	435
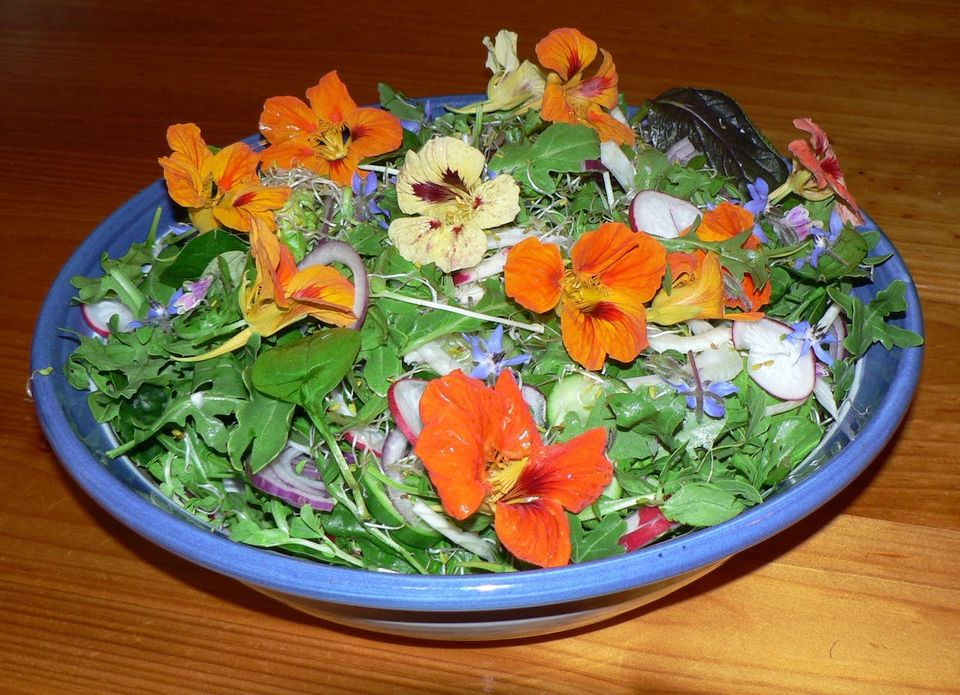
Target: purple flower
757	205
711	396
822	240
365	194
489	355
759	194
812	337
183	300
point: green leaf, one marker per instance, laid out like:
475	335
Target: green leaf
399	105
701	504
380	369
197	254
868	322
842	258
263	422
645	414
309	368
601	541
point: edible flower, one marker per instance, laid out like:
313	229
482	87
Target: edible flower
709	398
283	294
484	454
816	172
569	97
330	136
490	356
726	221
812	338
219	189
614	271
366	206
822	240
697	291
514	85
443	185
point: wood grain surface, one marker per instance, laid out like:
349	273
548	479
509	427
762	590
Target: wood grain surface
861	597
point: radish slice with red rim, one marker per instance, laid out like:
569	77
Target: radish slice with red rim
331	251
645	526
775	362
97	315
280	479
365	439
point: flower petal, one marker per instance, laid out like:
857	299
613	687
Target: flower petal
330	100
496	202
723	222
184	182
187	144
614	327
573	473
609	128
536	532
424	240
580	338
284	118
555	107
234	165
566	51
251	206
519	437
701	296
459	416
532	274
601	87
287	154
373	132
433	179
630	262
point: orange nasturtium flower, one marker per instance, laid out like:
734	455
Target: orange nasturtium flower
726	221
221	189
613	272
483	453
569	97
697	291
817	159
330	136
283	294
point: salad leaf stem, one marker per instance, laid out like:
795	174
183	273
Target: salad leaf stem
358	508
387	294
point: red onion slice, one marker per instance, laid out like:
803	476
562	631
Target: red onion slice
331	251
280	479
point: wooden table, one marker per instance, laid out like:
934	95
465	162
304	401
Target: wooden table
864	596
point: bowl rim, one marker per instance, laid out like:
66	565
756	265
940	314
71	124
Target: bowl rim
276	572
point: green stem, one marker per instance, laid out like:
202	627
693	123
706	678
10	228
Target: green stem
399	549
326	433
387	294
129	293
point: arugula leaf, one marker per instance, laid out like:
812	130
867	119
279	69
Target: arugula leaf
868	322
561	148
601	541
263	422
701	504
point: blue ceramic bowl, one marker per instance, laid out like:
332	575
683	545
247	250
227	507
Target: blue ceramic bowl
458	608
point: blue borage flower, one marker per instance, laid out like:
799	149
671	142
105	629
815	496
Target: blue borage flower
365	194
489	355
757	205
822	240
812	337
711	396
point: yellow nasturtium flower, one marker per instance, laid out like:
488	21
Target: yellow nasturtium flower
443	186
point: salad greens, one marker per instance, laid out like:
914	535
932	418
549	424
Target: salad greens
323	408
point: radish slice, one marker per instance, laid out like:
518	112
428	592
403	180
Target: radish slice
645	526
403	398
394	449
538	405
330	251
775	362
366	439
97	315
488	267
280	479
661	215
661	340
